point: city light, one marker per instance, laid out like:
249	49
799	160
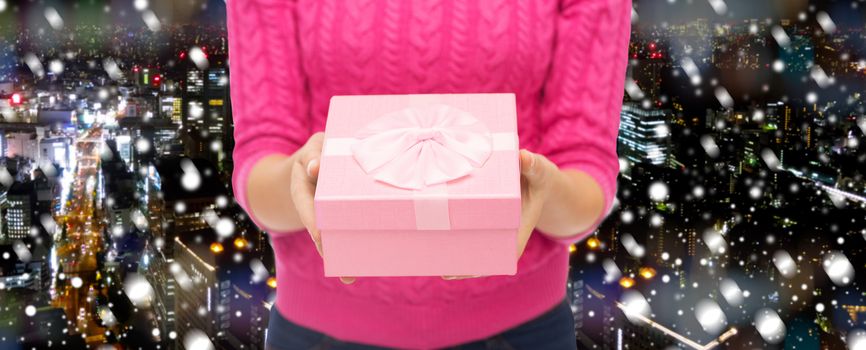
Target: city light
241	243
272	282
216	247
626	282
593	243
15	99
647	272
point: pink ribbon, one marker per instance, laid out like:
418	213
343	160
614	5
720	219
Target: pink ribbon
418	147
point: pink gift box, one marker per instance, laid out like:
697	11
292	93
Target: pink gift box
420	185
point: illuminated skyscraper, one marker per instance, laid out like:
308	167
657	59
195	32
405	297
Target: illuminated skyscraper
18	213
644	136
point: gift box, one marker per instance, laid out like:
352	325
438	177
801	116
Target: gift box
419	185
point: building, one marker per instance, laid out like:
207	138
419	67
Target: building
21	143
56	150
18	214
120	185
23	272
644	137
218	297
61	117
174	210
207	128
48	326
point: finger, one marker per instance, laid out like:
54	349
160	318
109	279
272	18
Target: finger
528	162
347	280
535	167
313	148
303	189
312	168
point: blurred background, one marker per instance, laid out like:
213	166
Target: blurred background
740	220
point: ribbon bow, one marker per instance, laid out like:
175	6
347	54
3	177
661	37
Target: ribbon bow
422	146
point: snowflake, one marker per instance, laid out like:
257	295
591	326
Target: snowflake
691	70
724	97
770	326
784	263
112	69
198	57
197	339
826	22
34	64
140	5
838	268
151	20
719	6
55	66
710	316
658	191
731	292
781	36
856	339
191	178
635	306
30	310
138	290
53	18
632	246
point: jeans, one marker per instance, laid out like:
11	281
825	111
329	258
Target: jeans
553	330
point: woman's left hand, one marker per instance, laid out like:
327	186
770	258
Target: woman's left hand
536	173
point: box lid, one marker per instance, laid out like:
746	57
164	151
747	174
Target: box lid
486	197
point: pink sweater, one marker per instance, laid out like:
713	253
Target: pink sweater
564	60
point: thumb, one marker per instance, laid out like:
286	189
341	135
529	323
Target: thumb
313	169
528	163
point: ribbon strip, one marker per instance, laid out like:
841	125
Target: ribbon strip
342	146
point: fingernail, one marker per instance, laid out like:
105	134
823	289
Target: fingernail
310	166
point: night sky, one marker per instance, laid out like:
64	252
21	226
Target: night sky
119	11
654	12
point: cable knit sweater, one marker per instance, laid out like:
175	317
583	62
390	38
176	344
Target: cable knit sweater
564	60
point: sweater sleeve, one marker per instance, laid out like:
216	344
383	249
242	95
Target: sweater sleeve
582	96
268	87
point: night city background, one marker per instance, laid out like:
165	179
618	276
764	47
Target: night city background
740	221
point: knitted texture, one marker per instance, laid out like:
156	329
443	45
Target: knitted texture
564	60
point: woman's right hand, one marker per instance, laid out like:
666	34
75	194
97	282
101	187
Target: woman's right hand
305	173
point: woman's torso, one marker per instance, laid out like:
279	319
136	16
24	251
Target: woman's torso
399	46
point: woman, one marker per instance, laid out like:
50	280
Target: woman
565	61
